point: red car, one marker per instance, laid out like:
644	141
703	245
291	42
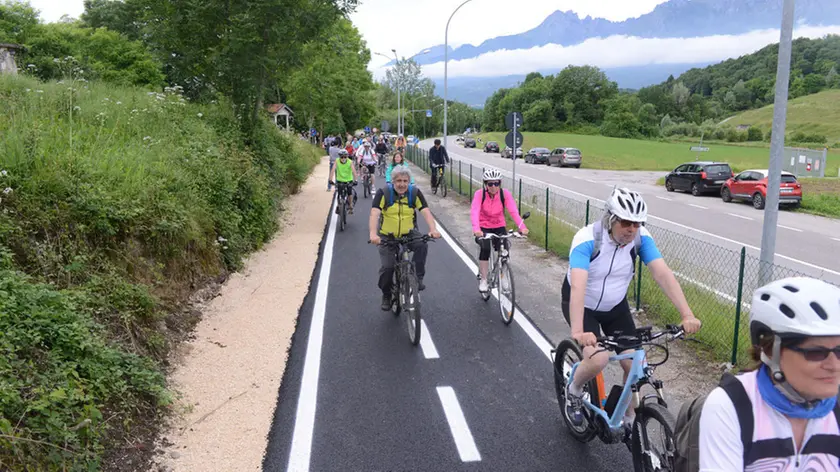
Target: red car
751	185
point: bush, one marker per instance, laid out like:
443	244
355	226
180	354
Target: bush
735	136
800	137
754	134
107	228
682	129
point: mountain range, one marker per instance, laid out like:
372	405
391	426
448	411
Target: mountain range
673	19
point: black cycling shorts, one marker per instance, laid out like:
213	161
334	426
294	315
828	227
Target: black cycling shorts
617	321
371	168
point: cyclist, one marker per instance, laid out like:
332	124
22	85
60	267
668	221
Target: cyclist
367	158
334	149
594	293
398	160
396	220
399	144
381	149
438	157
488	216
795	332
344	175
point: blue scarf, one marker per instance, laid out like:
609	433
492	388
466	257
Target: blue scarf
783	405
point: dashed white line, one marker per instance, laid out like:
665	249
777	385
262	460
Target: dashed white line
458	425
426	344
836	239
788	227
664	198
301	451
739	216
590	181
697	206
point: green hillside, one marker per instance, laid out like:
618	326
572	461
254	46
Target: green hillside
812	114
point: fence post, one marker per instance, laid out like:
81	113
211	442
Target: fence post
450	175
587	213
460	175
546	218
470	180
638	283
738	307
520	195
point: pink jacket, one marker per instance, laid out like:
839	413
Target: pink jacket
490	214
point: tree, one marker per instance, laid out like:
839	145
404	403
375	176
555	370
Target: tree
754	134
578	93
620	120
17	21
743	96
648	120
666	122
540	116
122	16
405	75
681	94
832	78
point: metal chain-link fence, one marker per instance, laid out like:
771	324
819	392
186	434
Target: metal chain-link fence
718	282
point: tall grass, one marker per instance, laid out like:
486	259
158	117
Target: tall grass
117	203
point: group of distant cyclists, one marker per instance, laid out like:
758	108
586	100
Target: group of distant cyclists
788	400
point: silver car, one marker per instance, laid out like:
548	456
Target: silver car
565	157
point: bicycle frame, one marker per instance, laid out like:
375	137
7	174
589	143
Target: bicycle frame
638	372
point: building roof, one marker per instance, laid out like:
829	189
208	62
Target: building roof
276	108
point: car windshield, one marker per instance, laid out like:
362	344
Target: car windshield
541	151
572	152
718	169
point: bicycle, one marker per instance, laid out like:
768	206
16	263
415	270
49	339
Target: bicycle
441	181
605	419
405	294
499	275
382	165
342	195
366	180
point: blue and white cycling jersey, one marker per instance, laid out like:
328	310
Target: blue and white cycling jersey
611	272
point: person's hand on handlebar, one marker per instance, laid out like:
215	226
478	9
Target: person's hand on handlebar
525	231
434	234
585	339
691	325
479	234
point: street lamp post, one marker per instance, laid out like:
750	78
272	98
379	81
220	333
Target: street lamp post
446	71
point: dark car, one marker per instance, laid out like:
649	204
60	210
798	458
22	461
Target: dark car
469	142
491	146
537	156
699	177
565	157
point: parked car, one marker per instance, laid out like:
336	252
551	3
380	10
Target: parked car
751	185
537	155
565	157
699	177
507	152
469	142
459	139
491	146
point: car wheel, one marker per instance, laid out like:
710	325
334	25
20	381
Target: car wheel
695	190
669	186
548	163
758	201
725	195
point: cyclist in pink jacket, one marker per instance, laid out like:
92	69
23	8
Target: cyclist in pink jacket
488	216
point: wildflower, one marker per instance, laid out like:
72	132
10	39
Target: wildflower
3	173
77	108
200	115
147	138
119	103
221	239
107	99
31	66
7	190
28	90
39	91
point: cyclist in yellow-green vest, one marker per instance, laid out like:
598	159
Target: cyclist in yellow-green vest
343	174
392	216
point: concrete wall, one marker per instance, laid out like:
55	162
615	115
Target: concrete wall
7	61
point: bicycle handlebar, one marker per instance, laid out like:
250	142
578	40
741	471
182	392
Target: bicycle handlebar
405	240
510	234
642	336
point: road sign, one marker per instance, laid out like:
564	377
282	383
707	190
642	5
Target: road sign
386	126
519	140
428	113
367	129
509	119
699	149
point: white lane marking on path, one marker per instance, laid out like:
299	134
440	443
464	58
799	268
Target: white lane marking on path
739	216
521	320
697	206
665	198
426	344
679	225
458	425
301	451
591	181
788	227
836	239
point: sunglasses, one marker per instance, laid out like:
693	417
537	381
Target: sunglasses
816	354
627	224
493	184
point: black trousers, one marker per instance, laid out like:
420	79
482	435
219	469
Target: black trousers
388	260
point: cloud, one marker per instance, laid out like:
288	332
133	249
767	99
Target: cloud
618	51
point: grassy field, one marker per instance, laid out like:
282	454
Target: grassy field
812	114
600	152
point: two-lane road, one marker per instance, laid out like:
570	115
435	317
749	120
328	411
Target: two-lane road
475	395
805	243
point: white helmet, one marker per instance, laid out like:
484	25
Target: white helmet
793	308
627	205
492	174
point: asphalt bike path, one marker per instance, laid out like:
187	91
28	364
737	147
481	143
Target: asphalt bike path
474	395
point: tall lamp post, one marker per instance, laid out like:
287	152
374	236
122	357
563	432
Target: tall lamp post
446	72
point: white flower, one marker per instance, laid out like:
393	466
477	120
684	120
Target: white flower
77	108
31	66
7	190
60	82
56	60
224	247
107	99
221	239
28	90
147	138
3	173
39	91
119	103
200	115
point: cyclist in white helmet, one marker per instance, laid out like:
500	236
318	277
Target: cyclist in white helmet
487	213
786	415
594	294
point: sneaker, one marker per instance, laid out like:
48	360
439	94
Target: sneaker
420	285
482	286
386	302
574	408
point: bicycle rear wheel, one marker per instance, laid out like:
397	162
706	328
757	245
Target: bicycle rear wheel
443	187
653	452
366	185
410	301
342	214
505	292
568	353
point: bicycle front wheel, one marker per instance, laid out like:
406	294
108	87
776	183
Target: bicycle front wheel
443	188
410	301
342	214
567	355
366	184
505	292
654	447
